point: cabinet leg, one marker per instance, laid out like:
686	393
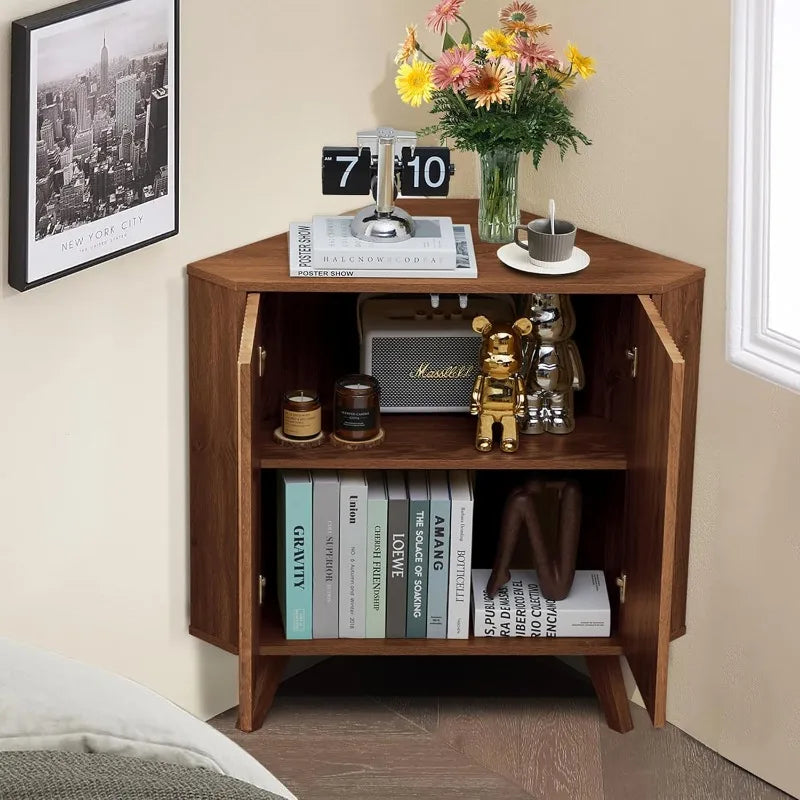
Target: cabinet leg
606	675
269	671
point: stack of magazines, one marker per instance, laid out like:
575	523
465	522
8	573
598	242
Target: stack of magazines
325	248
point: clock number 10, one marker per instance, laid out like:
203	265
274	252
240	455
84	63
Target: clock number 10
437	161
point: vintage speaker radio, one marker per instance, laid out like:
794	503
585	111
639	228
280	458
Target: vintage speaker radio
424	353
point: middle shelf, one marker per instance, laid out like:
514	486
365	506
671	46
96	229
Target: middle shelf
446	441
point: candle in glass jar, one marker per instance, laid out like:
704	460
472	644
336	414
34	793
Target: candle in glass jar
302	415
357	414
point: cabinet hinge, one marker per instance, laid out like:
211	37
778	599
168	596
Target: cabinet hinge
262	361
262	585
622	583
633	356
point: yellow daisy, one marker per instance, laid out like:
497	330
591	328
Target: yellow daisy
408	48
414	83
583	65
498	44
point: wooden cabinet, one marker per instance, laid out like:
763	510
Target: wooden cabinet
253	331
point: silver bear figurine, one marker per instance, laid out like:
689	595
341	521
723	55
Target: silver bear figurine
553	368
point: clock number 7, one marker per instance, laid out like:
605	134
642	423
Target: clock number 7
353	161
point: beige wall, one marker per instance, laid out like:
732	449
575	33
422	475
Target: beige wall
93	543
657	177
93	441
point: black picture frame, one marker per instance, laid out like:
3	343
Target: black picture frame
23	177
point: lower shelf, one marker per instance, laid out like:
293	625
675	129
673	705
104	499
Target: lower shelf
274	643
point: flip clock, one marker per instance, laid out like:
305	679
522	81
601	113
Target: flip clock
386	163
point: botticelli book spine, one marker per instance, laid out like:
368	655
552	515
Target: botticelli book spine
352	555
377	517
438	556
295	552
418	533
458	597
397	577
326	554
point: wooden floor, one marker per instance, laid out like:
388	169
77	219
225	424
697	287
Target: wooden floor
447	728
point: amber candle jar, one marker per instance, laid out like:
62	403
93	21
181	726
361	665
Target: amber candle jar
302	415
357	410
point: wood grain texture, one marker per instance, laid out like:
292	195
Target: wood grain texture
682	312
616	268
532	741
649	547
668	764
440	441
606	675
249	511
215	322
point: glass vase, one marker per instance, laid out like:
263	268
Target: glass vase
498	214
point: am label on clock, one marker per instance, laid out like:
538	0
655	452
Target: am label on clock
426	172
346	170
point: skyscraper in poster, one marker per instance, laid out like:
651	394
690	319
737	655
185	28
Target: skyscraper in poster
126	104
104	68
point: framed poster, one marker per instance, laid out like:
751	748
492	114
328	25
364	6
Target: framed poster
94	135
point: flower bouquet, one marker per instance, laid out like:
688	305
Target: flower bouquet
500	95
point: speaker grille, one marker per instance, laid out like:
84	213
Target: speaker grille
396	359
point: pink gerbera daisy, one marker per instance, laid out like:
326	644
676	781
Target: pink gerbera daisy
444	12
534	55
518	17
455	69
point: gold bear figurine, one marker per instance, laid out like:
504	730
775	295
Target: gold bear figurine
499	393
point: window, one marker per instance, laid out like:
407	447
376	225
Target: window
764	252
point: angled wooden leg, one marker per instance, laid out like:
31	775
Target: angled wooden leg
606	675
253	708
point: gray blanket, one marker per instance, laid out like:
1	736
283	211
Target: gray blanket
96	776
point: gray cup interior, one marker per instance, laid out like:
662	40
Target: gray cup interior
562	227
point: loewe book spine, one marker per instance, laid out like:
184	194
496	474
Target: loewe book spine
326	554
295	552
397	577
419	509
458	598
352	555
377	517
438	556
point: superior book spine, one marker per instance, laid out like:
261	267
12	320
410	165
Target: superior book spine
458	597
295	552
326	554
438	555
377	518
352	555
397	575
419	509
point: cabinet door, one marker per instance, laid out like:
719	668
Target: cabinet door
250	369
649	547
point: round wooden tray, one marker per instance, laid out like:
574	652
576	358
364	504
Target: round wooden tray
304	444
367	444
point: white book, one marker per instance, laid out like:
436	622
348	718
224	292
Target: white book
432	246
352	554
458	596
326	554
519	609
377	517
302	263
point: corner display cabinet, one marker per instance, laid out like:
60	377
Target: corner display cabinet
254	331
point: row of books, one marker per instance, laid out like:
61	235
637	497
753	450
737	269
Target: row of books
374	554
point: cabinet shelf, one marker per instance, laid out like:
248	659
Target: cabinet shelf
438	441
274	643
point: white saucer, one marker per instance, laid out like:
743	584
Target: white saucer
512	255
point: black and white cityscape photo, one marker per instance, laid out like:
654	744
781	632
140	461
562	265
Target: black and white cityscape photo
102	119
100	138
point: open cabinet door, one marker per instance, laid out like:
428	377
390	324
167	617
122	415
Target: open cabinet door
250	366
649	547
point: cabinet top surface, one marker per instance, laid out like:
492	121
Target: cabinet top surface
616	268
